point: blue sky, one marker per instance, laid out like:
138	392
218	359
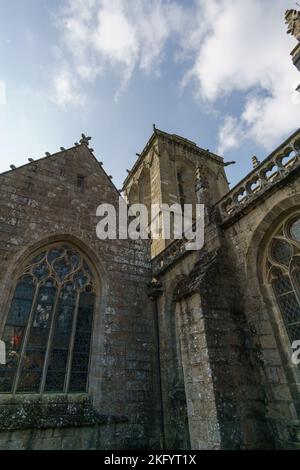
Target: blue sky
217	72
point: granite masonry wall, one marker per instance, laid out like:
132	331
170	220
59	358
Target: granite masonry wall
246	239
42	203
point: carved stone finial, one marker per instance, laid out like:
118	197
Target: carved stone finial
202	189
13	167
47	154
201	181
85	140
155	289
292	19
30	160
154	128
255	161
62	149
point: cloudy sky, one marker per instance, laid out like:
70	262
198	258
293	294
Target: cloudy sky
217	72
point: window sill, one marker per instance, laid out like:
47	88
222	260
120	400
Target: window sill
23	412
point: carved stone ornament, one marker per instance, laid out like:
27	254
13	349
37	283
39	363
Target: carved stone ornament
201	181
292	19
85	140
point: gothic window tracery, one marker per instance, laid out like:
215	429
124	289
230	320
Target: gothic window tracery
283	273
49	325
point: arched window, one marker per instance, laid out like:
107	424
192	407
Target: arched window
181	190
186	181
49	325
283	273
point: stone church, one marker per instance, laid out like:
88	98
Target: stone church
142	344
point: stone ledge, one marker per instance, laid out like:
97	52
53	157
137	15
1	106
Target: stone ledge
51	412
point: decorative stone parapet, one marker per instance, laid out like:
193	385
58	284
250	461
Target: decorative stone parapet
57	411
275	168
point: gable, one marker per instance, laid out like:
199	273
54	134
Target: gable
75	173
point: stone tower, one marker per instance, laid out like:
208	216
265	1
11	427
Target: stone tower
292	19
165	173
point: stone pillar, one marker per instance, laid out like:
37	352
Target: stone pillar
226	403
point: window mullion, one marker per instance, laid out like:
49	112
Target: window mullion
286	293
26	335
71	348
49	343
34	367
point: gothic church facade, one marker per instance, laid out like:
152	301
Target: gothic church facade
129	344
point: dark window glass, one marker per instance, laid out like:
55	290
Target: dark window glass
282	252
295	230
78	382
294	332
288	303
285	280
181	190
34	355
38	258
80	362
14	331
54	254
80	182
41	271
75	259
282	285
290	307
80	280
61	340
62	267
49	325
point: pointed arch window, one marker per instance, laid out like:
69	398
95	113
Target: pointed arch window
283	273
49	325
181	190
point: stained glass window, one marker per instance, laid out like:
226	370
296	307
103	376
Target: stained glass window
82	342
284	250
49	325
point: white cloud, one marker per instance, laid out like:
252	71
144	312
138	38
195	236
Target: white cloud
66	89
229	46
115	38
229	134
245	48
117	35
